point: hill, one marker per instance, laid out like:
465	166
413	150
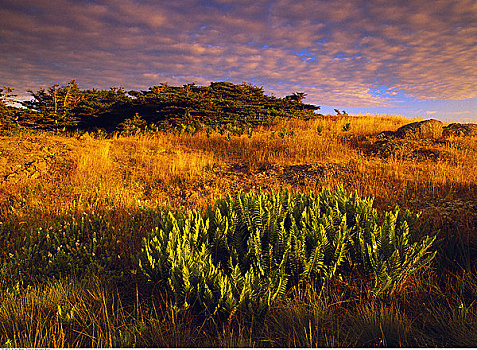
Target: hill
77	192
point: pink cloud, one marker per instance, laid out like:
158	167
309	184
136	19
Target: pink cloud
425	51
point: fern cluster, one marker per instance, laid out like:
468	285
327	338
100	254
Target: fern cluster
243	254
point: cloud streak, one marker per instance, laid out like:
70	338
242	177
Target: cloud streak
339	52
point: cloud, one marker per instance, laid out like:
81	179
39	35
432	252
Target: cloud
423	51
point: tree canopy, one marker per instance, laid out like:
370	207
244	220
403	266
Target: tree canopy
163	106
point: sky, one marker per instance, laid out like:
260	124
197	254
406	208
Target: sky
407	57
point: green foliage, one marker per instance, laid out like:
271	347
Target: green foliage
189	108
237	107
7	112
391	252
242	255
133	125
285	132
69	247
56	104
70	107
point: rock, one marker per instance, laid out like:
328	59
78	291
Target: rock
458	129
426	129
391	148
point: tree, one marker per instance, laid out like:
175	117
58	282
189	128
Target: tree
6	112
56	104
218	105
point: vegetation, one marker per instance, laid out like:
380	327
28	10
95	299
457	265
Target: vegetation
244	254
190	108
125	239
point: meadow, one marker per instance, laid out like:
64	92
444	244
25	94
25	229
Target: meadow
75	208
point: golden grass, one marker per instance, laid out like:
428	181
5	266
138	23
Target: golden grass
44	176
125	173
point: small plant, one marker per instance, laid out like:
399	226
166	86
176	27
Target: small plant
250	131
346	127
208	131
70	247
338	112
319	129
242	255
285	132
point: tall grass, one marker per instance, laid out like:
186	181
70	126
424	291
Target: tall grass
125	172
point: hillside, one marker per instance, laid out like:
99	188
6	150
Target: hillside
296	153
121	181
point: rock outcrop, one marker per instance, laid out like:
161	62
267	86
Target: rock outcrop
458	129
411	141
426	129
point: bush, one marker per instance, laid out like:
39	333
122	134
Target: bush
242	255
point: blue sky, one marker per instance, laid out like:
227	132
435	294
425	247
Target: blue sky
410	58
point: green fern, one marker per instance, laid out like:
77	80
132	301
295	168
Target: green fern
243	254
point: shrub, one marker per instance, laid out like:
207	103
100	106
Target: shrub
346	127
242	255
133	125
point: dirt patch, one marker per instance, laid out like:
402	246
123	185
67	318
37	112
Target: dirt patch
408	150
298	175
403	149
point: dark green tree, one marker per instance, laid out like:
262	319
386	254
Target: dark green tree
219	106
56	104
296	96
8	118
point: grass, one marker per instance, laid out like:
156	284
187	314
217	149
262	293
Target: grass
127	179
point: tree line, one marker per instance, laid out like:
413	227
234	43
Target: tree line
161	107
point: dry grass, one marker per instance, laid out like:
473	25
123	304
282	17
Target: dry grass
125	173
43	177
